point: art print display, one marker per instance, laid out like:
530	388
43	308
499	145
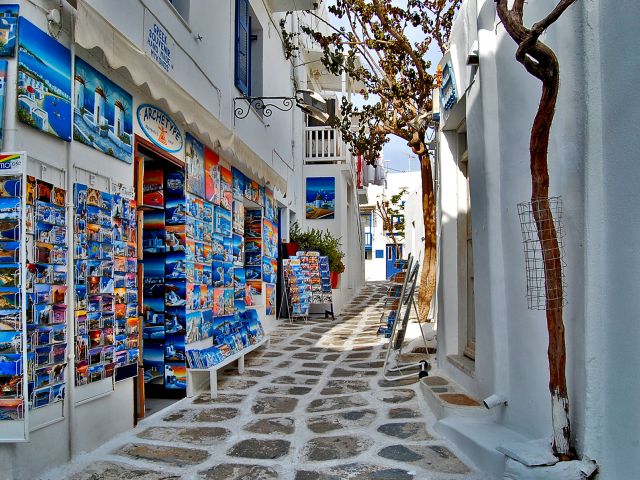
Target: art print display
106	295
320	198
270	298
270	207
222	221
194	160
226	188
44	81
8	29
238	183
269	269
45	289
238	217
102	113
211	176
16	379
269	238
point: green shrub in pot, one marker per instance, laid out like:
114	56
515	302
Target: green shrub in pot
322	241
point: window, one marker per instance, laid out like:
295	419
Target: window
182	7
248	51
379	253
367	254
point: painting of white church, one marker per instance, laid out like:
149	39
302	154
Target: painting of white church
102	113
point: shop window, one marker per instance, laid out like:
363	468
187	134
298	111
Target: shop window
248	51
181	7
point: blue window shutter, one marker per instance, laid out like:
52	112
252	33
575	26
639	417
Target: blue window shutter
243	47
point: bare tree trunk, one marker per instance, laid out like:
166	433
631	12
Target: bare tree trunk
552	268
541	62
428	277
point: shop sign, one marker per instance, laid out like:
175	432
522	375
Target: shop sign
158	44
159	128
11	163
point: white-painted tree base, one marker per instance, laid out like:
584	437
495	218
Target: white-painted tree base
574	470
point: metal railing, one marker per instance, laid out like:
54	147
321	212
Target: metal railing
324	144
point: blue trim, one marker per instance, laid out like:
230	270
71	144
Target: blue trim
242	48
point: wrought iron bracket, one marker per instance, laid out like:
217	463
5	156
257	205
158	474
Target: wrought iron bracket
243	105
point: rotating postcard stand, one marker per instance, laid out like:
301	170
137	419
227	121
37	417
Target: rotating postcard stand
394	370
14	413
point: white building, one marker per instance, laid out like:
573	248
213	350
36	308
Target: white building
489	342
193	79
380	250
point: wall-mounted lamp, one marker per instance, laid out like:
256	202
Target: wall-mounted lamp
308	101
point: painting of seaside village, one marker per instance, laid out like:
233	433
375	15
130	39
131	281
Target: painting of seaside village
321	198
102	113
8	29
44	82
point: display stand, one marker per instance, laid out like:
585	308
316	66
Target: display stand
14	414
307	282
197	377
405	301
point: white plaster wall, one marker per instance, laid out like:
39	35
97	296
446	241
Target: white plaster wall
613	226
500	101
413	243
344	225
204	68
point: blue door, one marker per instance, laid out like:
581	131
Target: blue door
391	256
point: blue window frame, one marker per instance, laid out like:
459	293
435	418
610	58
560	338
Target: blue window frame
242	70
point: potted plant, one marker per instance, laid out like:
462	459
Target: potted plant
322	241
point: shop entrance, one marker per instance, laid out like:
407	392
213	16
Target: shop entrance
159	184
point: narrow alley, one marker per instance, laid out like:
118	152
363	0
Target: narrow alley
311	406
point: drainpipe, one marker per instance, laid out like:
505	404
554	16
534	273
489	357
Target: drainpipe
71	384
10	106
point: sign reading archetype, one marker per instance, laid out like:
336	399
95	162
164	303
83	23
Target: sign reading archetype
159	128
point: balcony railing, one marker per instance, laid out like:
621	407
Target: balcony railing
324	145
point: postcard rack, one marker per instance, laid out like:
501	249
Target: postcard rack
393	369
307	282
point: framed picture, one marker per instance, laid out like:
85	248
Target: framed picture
102	113
44	82
320	198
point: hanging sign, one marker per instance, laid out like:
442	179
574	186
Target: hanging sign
159	128
158	44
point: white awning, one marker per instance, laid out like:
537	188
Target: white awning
94	33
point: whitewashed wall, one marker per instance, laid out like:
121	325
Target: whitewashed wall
591	155
413	243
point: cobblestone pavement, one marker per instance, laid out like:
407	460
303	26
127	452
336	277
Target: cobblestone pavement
311	406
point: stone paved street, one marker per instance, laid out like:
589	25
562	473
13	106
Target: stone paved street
311	406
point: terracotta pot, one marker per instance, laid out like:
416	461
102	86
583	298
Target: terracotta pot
335	278
292	248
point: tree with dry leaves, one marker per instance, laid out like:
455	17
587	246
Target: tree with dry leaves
541	62
372	43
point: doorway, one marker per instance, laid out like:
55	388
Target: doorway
162	371
393	254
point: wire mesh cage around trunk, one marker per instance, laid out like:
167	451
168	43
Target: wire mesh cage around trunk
539	297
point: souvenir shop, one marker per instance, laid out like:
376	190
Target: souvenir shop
130	252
